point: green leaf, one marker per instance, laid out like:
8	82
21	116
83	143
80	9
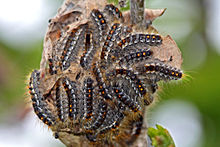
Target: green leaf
160	137
115	2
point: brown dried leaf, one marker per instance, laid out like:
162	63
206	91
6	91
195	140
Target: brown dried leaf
150	15
168	52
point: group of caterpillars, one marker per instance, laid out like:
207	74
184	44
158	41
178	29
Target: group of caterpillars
103	99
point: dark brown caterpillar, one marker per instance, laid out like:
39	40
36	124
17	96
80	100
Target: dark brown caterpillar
162	71
101	84
88	94
72	46
149	39
135	57
39	105
62	101
102	110
114	123
87	57
100	22
114	11
71	90
126	99
133	79
109	42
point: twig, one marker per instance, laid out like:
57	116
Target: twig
137	12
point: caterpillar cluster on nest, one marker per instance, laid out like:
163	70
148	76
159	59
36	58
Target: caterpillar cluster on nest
103	80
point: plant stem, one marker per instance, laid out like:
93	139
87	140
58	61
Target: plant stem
137	12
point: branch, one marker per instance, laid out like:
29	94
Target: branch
137	12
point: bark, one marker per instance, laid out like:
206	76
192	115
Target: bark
137	12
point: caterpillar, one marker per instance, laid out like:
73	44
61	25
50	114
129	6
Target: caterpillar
88	94
136	56
87	56
114	12
72	46
101	84
162	71
61	102
100	22
40	107
102	110
149	39
126	99
113	33
133	79
71	90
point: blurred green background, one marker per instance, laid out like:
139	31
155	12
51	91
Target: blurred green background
189	109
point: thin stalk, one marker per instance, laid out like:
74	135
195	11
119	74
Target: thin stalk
137	12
